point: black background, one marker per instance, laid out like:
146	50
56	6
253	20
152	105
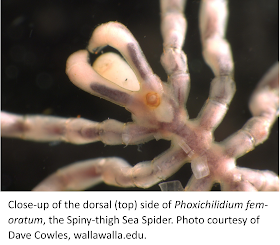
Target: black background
38	37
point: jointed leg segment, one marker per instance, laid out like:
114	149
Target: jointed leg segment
115	171
217	54
173	59
73	130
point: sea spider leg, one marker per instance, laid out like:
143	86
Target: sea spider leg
264	108
81	175
73	130
114	171
217	54
173	59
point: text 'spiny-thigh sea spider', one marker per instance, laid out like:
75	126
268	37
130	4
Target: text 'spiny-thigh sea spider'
158	110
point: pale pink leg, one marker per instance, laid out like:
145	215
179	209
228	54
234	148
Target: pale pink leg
264	107
217	54
114	171
72	130
173	59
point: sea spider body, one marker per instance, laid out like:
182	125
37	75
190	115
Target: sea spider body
158	110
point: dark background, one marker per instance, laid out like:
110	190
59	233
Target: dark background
38	37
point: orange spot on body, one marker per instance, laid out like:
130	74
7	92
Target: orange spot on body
152	99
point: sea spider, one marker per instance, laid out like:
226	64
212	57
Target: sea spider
189	106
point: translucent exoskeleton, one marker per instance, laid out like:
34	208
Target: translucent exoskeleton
158	110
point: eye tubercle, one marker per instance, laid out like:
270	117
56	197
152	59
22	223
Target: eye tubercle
152	99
